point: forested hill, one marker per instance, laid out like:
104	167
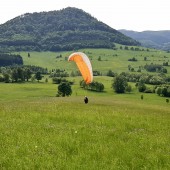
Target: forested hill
151	39
66	29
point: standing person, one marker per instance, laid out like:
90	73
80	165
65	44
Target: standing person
86	100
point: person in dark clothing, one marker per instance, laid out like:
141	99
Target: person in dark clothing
86	100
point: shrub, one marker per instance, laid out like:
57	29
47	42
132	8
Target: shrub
128	88
119	84
141	87
158	91
64	89
132	59
167	100
94	86
148	90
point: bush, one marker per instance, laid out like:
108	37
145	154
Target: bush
163	90
141	87
64	89
132	59
110	73
158	91
94	86
128	88
119	84
148	90
57	80
167	100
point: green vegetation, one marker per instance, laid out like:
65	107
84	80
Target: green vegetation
40	131
120	84
115	60
17	73
66	29
113	131
10	59
64	89
93	86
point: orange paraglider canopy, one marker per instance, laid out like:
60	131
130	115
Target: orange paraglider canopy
84	65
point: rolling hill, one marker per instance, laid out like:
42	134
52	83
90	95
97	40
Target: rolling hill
151	39
66	29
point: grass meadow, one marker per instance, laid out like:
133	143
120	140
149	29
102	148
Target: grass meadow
116	60
111	132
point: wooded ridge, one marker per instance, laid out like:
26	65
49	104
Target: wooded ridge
66	29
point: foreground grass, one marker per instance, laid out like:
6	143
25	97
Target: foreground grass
40	131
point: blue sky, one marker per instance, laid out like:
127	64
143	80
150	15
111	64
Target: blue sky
137	15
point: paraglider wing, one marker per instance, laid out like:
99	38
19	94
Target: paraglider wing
84	65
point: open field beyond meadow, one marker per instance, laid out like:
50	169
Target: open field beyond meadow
115	60
113	131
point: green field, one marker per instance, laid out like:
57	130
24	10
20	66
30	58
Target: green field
113	131
116	60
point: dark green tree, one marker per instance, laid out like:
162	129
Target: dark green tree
64	89
128	88
158	90
110	73
141	86
38	76
20	73
99	87
164	91
119	84
6	77
14	75
46	80
27	73
99	58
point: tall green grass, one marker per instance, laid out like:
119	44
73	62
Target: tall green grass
113	131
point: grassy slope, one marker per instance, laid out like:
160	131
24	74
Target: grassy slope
114	131
117	63
40	131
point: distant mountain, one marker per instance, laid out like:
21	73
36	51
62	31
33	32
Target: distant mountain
66	29
151	39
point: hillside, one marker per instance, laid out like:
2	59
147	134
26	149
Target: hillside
66	29
151	39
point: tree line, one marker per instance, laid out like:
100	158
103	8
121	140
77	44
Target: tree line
21	73
10	59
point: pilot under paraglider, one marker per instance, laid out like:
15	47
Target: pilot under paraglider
84	65
86	100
